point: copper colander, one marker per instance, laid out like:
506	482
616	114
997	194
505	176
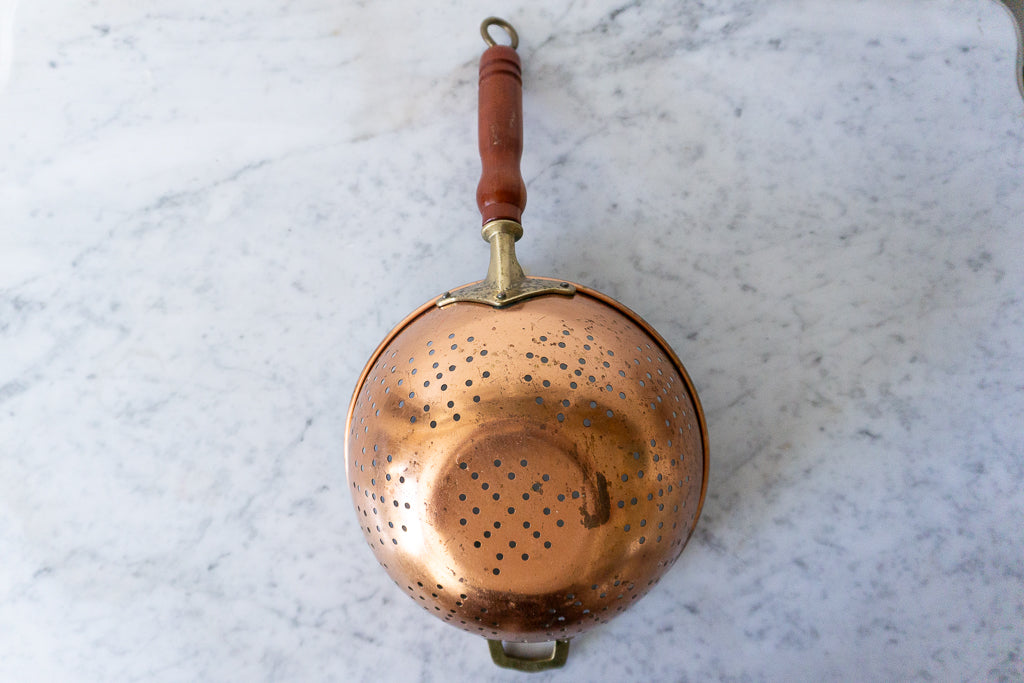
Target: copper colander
525	466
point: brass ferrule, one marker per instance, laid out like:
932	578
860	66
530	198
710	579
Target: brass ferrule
504	270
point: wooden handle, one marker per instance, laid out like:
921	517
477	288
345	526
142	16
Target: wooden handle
501	193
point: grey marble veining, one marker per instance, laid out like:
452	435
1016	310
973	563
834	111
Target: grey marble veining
211	214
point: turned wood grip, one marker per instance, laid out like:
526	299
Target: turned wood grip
501	192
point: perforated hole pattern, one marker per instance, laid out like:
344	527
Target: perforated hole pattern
525	474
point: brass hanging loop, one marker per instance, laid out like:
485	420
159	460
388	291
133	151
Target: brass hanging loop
501	23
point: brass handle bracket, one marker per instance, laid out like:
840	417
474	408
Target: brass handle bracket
506	283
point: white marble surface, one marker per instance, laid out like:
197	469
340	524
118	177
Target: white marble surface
210	213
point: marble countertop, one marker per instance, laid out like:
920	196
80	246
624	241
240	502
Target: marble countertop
210	214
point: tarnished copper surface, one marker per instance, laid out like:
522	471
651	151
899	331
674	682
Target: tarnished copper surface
526	473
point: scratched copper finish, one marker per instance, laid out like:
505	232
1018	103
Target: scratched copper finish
526	473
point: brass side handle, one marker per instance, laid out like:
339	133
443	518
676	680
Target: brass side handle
1016	8
559	654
